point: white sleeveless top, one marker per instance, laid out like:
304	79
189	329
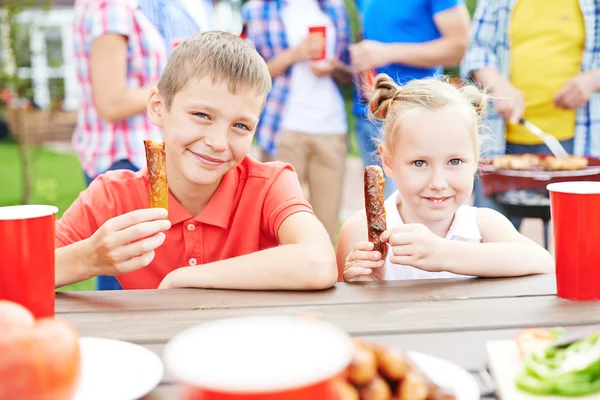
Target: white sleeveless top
464	228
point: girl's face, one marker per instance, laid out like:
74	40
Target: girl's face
433	162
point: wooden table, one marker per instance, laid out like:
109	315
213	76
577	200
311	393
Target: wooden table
452	319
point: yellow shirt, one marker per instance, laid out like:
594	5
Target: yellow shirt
547	40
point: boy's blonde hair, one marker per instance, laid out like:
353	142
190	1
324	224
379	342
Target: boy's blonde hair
222	57
390	102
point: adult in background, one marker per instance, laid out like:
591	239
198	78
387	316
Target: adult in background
549	76
304	122
406	40
179	19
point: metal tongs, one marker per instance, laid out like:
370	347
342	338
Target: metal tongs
553	144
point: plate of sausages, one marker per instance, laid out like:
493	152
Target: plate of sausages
387	373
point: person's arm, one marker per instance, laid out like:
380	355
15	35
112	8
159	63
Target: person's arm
72	264
353	230
578	90
110	24
308	49
305	260
113	100
483	39
480	65
92	239
447	51
503	251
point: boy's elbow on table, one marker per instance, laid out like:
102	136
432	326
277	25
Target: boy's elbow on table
320	267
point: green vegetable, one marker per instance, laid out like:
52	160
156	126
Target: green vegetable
572	371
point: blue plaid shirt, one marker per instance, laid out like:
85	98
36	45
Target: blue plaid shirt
173	20
490	47
266	32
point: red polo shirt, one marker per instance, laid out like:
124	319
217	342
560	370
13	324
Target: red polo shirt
243	216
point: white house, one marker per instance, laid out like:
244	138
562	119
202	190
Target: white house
49	61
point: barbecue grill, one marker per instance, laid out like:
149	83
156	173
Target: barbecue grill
523	193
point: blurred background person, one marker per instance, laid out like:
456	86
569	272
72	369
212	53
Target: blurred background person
305	122
406	40
179	19
535	71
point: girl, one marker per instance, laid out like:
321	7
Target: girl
431	149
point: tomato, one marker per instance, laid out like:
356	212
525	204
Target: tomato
40	360
532	339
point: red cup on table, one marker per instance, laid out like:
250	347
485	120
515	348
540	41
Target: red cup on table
575	208
27	257
320	30
262	357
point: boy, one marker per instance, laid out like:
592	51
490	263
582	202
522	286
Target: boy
233	222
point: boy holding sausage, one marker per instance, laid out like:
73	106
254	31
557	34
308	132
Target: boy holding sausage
232	222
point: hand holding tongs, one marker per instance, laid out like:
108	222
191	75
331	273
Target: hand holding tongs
553	144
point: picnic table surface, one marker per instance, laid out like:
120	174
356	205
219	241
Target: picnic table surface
448	318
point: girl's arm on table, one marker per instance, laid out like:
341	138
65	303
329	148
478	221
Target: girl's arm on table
503	251
305	260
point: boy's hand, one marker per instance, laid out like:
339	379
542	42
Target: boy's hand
364	264
127	242
416	246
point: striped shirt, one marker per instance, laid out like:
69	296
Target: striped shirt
179	19
99	143
265	30
490	47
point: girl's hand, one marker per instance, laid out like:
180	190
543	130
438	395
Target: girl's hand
364	264
127	242
416	246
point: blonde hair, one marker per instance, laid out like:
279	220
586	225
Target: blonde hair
222	57
390	102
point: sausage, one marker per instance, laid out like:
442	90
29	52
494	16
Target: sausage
363	367
346	391
414	386
374	206
392	363
157	173
377	389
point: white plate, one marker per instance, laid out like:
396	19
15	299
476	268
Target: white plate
116	370
447	375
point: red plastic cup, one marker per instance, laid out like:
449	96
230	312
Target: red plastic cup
263	357
320	30
575	208
27	257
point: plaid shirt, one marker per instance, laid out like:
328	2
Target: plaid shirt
265	30
98	143
173	21
490	47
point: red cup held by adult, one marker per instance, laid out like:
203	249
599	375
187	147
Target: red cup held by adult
575	208
27	257
322	31
263	357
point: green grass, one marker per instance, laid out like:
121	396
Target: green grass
58	180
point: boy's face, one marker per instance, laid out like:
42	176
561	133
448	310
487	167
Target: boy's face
208	130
